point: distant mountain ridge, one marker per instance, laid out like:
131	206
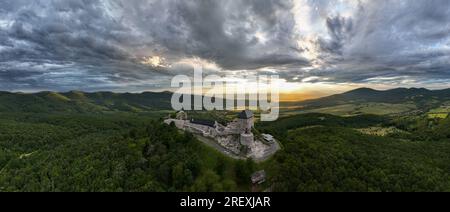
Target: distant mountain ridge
77	101
420	96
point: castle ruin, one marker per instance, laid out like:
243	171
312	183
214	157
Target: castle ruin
237	136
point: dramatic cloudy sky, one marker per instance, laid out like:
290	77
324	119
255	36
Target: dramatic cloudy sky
136	45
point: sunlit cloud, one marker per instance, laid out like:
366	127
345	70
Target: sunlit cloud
155	61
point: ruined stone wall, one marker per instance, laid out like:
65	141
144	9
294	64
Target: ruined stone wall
247	139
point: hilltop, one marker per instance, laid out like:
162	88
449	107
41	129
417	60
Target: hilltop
77	101
379	102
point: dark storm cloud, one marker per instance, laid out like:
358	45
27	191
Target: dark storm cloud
340	30
94	45
94	34
224	32
389	40
62	45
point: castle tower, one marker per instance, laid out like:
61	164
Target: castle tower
246	121
246	124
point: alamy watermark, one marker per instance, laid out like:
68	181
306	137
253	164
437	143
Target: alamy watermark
259	93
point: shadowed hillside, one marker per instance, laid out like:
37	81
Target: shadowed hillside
420	96
76	101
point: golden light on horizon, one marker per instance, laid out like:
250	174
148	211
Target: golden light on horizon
297	91
293	97
288	91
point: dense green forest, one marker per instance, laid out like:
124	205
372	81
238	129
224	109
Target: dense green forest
335	156
120	152
339	159
136	152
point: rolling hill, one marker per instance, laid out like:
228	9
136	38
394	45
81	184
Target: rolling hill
394	96
359	101
76	101
370	101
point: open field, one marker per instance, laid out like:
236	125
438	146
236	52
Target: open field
358	109
439	113
379	131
